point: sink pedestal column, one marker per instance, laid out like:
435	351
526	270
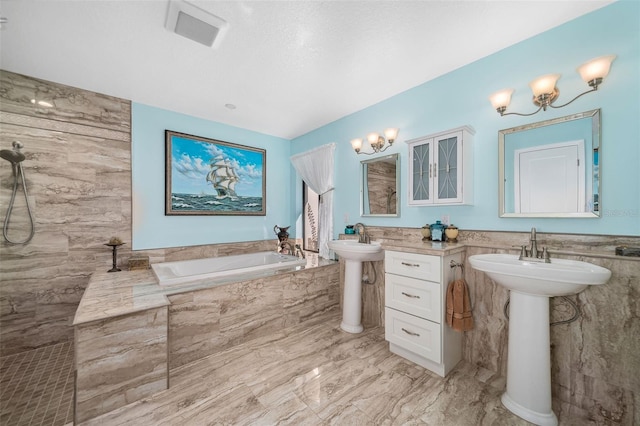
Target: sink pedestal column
528	392
352	299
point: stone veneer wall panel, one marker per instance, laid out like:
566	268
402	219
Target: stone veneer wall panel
310	294
207	321
78	176
119	361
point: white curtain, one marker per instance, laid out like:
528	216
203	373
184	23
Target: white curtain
316	169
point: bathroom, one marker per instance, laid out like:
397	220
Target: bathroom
92	176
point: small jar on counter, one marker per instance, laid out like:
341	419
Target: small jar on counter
452	233
437	231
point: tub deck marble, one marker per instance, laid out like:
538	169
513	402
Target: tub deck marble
109	295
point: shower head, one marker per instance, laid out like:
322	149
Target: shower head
13	156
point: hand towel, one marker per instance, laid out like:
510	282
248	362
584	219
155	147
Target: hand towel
459	306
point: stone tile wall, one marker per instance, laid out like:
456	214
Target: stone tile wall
78	175
119	361
207	321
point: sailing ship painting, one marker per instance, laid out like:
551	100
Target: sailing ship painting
211	177
223	177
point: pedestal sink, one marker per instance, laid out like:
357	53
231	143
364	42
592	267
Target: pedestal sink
531	284
354	253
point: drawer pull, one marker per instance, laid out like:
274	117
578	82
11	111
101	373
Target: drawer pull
413	265
410	333
411	295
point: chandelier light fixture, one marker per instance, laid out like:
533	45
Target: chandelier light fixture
545	91
377	142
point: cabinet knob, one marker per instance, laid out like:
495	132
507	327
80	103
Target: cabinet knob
411	295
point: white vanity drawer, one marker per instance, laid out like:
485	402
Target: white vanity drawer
415	297
414	334
420	266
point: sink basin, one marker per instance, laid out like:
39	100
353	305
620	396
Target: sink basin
561	277
530	285
353	250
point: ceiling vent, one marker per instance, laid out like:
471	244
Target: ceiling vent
194	23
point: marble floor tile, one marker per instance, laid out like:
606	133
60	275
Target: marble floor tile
320	375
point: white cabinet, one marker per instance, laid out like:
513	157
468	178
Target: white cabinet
441	168
415	308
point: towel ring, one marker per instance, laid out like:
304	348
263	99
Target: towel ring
454	264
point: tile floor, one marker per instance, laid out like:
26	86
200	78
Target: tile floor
318	375
36	387
315	375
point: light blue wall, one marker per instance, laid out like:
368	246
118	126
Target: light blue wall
152	229
455	99
461	98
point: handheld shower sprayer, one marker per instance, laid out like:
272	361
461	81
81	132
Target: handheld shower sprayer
16	157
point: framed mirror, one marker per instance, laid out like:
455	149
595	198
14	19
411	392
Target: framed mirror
551	168
380	186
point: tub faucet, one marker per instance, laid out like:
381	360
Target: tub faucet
362	234
288	248
533	254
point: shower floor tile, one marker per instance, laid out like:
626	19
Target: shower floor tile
36	387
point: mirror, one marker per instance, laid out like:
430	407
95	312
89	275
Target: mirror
551	168
380	186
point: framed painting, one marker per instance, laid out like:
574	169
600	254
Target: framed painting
211	177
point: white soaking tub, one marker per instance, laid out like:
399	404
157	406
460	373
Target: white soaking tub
169	273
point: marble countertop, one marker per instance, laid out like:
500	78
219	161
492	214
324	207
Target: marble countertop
114	294
433	248
426	247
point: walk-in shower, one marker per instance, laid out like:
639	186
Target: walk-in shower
16	157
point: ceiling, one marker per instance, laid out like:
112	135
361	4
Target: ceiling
289	67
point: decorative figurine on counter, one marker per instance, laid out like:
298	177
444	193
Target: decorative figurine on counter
114	243
283	237
426	232
281	233
452	233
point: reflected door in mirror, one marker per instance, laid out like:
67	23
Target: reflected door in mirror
550	178
550	168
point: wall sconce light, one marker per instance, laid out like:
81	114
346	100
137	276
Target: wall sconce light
545	91
376	141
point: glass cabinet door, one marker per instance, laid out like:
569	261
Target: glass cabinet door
421	172
448	170
441	168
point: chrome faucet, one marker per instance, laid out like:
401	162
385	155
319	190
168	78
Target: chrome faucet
533	251
362	235
291	249
533	254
